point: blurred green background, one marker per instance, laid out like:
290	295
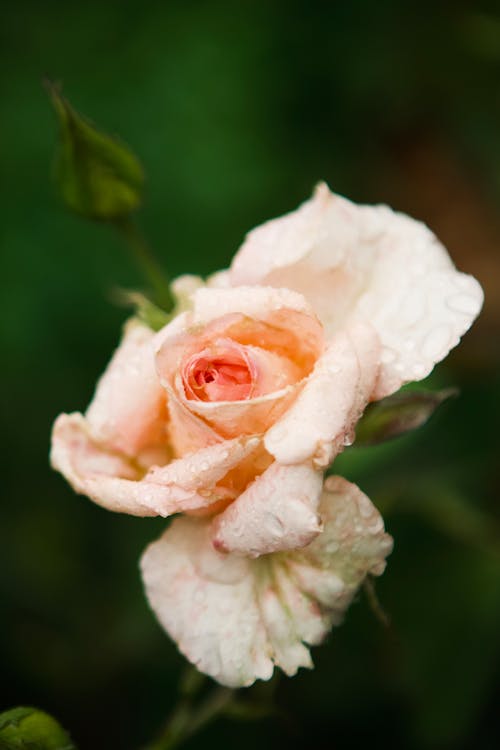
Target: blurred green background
236	110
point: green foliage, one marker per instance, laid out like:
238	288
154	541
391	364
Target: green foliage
237	115
31	729
98	177
398	414
144	309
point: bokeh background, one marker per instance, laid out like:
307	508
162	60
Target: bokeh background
236	110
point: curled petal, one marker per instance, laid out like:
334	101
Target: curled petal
236	618
128	411
231	418
116	483
371	264
322	418
281	344
186	431
278	511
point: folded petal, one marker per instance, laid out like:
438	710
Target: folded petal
232	418
236	618
372	264
128	411
322	418
116	483
278	511
281	342
186	431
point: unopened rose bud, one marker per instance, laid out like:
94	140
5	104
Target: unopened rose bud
97	176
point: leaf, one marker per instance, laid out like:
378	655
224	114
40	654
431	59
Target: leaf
398	414
31	729
98	177
148	313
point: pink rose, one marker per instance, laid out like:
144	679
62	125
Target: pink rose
232	412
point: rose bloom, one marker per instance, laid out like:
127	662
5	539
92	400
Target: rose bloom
231	414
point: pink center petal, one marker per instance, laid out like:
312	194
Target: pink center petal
221	372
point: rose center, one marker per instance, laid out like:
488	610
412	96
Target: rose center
219	374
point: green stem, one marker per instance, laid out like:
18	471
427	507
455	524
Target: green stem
186	720
144	257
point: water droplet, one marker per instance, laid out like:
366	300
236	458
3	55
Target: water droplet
419	370
438	342
277	526
365	507
463	303
387	356
332	547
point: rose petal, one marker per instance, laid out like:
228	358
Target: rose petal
322	418
267	323
232	418
128	410
235	618
186	431
278	511
114	482
275	336
373	264
258	303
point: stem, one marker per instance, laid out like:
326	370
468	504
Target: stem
186	720
147	262
373	601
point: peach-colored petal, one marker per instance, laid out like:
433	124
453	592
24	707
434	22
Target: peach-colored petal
225	370
128	411
292	332
322	418
232	418
278	511
116	483
280	343
186	431
236	618
372	264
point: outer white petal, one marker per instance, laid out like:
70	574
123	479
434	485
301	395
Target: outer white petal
235	618
373	264
207	603
111	480
127	412
278	511
322	419
258	303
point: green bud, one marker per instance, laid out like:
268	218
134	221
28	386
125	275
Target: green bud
98	177
31	729
398	414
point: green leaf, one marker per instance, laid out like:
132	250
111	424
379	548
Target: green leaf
98	177
144	309
31	729
398	414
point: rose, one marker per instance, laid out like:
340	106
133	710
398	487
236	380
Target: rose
233	411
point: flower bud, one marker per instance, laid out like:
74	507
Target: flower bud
97	176
398	414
